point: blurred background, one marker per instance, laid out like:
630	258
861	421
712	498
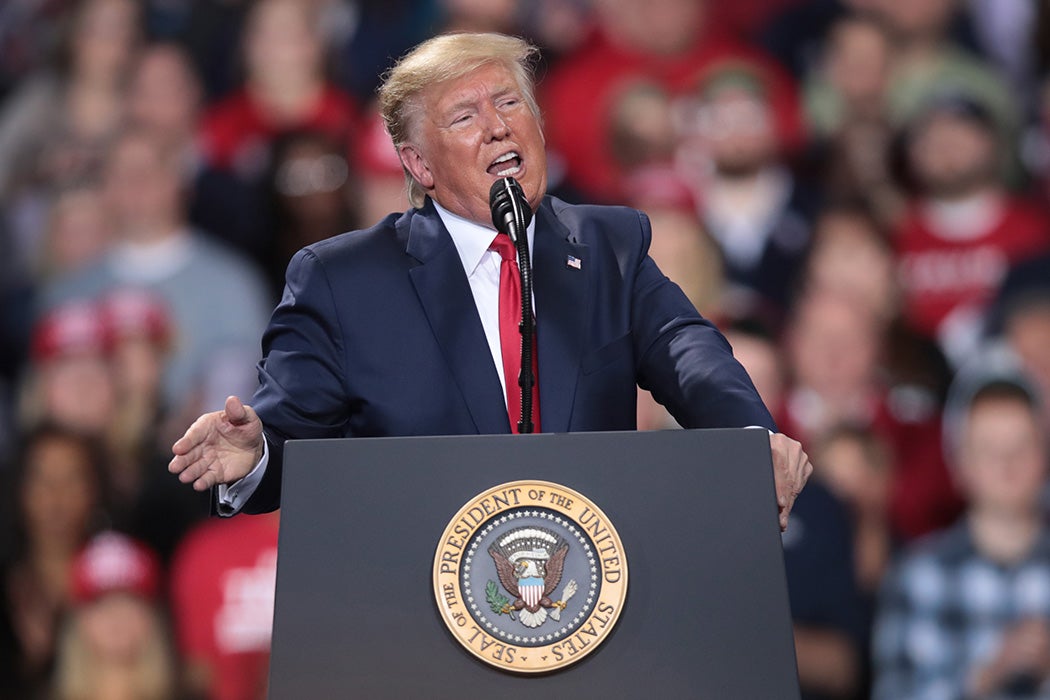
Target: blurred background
856	191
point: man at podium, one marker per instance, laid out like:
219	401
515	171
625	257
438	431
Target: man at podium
409	327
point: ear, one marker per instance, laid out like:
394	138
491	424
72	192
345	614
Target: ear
414	162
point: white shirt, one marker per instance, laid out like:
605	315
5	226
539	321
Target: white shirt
482	267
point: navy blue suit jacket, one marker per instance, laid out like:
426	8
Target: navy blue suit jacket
378	335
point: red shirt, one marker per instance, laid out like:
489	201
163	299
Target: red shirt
222	588
236	132
578	96
939	275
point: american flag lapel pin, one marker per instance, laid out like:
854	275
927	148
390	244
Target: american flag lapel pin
573	262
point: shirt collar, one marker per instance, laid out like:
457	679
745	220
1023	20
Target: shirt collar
472	240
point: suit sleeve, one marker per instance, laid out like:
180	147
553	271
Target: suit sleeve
683	359
302	374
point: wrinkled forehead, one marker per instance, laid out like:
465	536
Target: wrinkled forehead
481	82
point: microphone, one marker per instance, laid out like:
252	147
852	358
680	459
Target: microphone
509	207
511	215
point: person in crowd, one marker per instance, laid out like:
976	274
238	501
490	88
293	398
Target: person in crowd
857	467
850	256
165	100
312	191
853	76
285	89
749	201
71	381
143	501
55	128
79	232
642	135
142	337
847	111
1024	301
669	43
818	549
799	34
1028	333
964	229
218	302
115	645
822	591
929	58
964	613
56	498
835	345
222	595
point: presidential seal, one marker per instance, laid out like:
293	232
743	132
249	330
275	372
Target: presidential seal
530	576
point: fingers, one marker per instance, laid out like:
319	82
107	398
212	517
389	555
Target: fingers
236	412
180	462
196	434
791	471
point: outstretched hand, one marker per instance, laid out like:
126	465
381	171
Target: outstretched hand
791	470
219	448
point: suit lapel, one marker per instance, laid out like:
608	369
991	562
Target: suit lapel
561	300
445	295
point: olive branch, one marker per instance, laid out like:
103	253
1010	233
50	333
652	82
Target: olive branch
498	602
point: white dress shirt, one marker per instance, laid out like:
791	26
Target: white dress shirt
482	267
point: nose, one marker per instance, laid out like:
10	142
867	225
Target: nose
496	127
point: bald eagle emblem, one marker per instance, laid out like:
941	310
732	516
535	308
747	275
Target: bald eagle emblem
529	563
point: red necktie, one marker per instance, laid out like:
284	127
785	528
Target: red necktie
510	335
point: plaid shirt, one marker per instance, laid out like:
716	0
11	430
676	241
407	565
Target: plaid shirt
942	613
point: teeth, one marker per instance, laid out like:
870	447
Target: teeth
509	171
505	157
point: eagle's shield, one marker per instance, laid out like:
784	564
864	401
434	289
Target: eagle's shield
531	590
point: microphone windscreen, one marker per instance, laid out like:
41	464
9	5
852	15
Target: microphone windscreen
505	196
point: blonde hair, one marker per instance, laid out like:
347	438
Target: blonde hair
441	59
153	676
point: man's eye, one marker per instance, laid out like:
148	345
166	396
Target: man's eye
462	119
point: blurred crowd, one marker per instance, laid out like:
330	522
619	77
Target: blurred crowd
856	191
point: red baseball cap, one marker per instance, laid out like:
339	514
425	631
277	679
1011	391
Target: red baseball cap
135	313
75	328
112	563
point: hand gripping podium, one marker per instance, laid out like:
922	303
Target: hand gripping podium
588	565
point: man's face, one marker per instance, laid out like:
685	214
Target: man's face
1003	457
952	156
473	131
736	128
142	189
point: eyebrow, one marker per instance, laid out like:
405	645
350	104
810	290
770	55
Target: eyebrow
469	101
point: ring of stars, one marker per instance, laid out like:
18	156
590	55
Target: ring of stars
588	596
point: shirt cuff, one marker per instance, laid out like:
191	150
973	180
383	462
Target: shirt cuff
232	497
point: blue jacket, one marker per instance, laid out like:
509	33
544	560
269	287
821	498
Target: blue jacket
377	334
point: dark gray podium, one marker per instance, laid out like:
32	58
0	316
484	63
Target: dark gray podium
706	613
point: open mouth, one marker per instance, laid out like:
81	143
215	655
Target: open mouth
507	165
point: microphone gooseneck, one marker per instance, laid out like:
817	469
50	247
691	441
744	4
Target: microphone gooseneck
511	215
